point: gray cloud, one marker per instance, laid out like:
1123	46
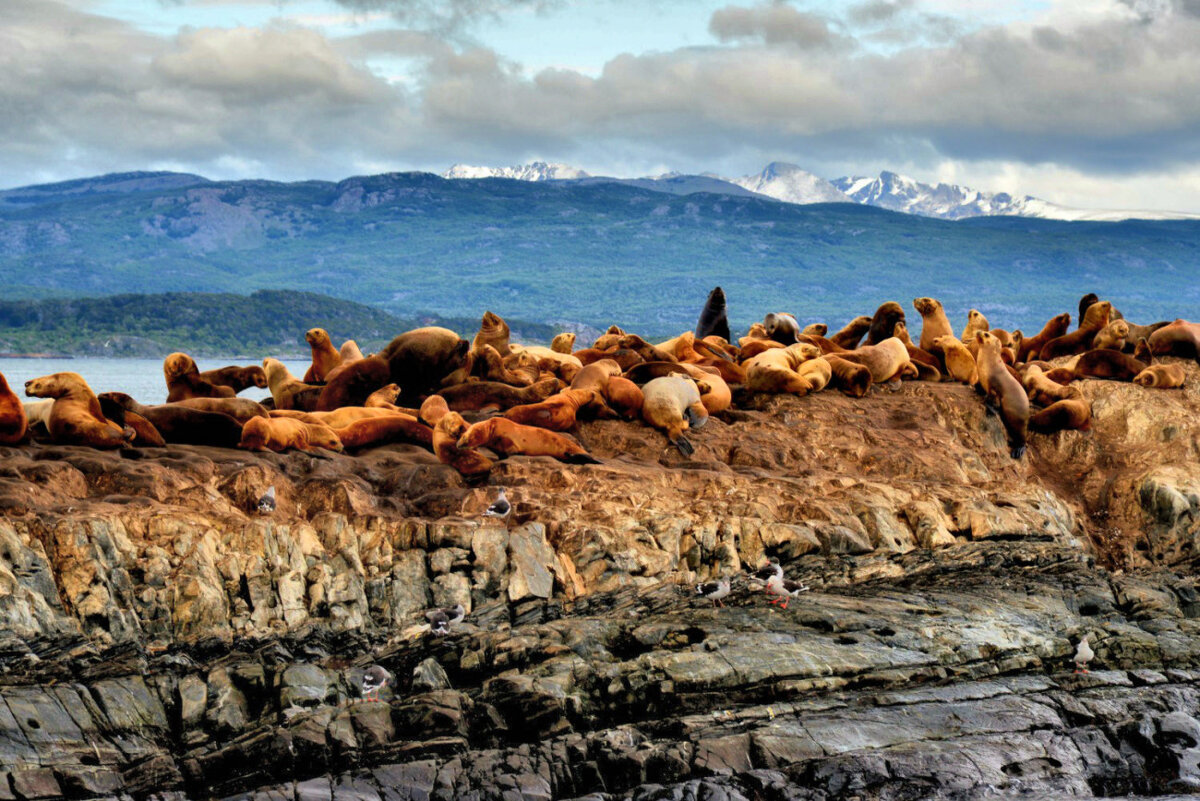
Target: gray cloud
774	23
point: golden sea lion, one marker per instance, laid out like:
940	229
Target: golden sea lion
349	351
508	438
76	417
776	370
13	422
815	330
672	404
1112	336
596	375
644	349
887	360
473	466
975	322
325	357
374	431
624	397
284	386
558	412
1004	391
1161	376
563	343
1055	327
960	364
183	380
492	331
285	433
849	336
934	322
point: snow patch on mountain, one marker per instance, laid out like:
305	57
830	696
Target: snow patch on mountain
535	171
789	183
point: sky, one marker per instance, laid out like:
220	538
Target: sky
1088	103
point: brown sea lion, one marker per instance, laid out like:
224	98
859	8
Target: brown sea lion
13	422
352	383
1112	336
236	378
682	347
325	357
285	433
624	397
384	398
849	336
934	322
473	466
1041	389
815	330
183	380
826	345
756	346
507	438
492	331
1095	318
1179	338
1004	391
240	409
76	417
848	377
713	321
145	434
477	395
959	362
432	410
1090	299
1055	327
1109	364
370	432
929	366
285	387
757	331
1161	376
349	351
886	360
1140	332
781	327
338	418
644	349
672	404
596	375
182	425
1072	413
883	324
559	412
714	392
489	366
563	343
975	322
421	359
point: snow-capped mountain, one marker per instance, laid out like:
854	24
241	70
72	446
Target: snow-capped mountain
535	171
789	183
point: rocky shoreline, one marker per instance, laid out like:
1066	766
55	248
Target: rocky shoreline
160	639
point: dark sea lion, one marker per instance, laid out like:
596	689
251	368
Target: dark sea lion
240	409
181	425
713	321
476	395
848	377
353	383
1055	327
236	378
421	359
1095	317
1179	338
883	324
1071	413
184	381
1106	363
145	434
1090	299
849	336
782	327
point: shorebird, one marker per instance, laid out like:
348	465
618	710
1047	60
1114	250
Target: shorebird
1083	655
374	679
440	620
499	508
714	591
783	589
266	504
764	574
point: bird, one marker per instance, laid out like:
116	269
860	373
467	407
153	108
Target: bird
783	589
499	508
764	574
374	679
266	504
440	620
1083	655
714	591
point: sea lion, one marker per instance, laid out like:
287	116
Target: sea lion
325	357
351	384
1095	318
1179	338
826	345
338	418
1112	336
1055	327
817	372
681	347
641	373
849	336
492	331
559	412
183	380
934	322
489	365
421	359
596	375
848	377
13	422
477	395
183	425
563	343
285	387
432	410
929	367
1110	364
472	465
622	356
240	409
672	404
384	398
960	364
624	397
508	438
1140	332
757	332
563	365
815	330
644	349
236	378
886	360
1161	376
145	435
713	321
1003	391
76	417
285	433
975	322
349	351
1090	299
1041	389
777	370
714	392
756	346
37	413
1071	413
374	431
781	327
883	324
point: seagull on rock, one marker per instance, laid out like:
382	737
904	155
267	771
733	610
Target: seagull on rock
499	508
374	679
783	589
266	504
440	620
1083	655
714	591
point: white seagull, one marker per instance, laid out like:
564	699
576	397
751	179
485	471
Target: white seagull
374	679
714	591
440	620
266	504
783	589
1083	655
499	508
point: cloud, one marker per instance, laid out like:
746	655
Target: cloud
448	16
774	23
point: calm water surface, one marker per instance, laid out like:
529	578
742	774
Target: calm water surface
141	378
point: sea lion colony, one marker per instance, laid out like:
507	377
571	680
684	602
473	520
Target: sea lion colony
471	402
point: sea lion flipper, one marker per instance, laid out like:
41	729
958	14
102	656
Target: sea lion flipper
580	458
684	446
695	419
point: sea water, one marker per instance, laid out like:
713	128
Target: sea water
141	378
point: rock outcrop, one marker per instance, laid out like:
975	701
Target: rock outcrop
159	637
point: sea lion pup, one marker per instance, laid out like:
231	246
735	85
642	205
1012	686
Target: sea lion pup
492	331
472	465
713	321
349	351
76	417
559	412
929	366
1073	412
385	398
1055	327
236	378
374	431
352	383
886	361
777	370
883	324
624	397
285	433
849	336
1091	299
757	332
421	359
478	395
1041	389
563	343
325	357
13	422
1112	336
672	404
781	327
183	380
848	377
934	322
183	425
489	366
563	365
240	409
1110	364
1095	318
815	330
507	438
285	386
649	352
1179	338
1004	391
1161	376
145	435
975	322
960	363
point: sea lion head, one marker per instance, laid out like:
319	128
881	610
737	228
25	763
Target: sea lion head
816	330
757	331
1146	378
926	306
177	365
451	425
254	434
433	409
317	337
55	385
1120	328
321	436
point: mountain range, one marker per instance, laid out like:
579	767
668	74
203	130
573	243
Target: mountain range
791	184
